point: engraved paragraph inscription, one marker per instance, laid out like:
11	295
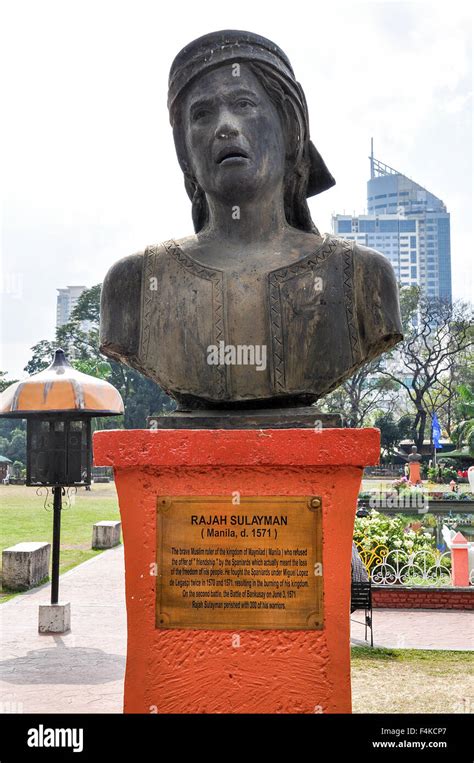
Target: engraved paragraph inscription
245	563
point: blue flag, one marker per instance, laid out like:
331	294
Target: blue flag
436	431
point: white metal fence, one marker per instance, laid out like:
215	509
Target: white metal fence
425	567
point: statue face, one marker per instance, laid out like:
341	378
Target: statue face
234	137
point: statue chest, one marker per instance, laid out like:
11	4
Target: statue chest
222	335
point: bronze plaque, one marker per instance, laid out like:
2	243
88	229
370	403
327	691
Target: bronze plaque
252	565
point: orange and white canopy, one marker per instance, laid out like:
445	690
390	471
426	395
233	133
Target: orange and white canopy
63	390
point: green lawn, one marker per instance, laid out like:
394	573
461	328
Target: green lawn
412	681
23	518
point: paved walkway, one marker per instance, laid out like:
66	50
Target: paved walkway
82	671
417	629
77	672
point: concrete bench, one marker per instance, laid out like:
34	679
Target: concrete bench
106	534
25	565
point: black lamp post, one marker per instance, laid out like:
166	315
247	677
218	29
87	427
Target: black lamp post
58	405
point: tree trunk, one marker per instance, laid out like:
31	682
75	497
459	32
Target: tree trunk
421	416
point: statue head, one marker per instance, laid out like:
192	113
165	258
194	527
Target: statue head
240	125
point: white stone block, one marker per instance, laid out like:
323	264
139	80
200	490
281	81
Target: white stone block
25	565
106	534
54	618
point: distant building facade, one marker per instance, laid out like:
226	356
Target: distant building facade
406	223
66	301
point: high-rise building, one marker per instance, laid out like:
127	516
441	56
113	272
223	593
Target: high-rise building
66	301
407	224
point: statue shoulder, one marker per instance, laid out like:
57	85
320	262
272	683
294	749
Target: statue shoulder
370	260
378	306
120	270
120	312
121	302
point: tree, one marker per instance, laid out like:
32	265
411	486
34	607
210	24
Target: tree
80	342
470	442
7	426
18	468
43	353
97	367
409	297
360	395
459	404
389	432
406	427
368	390
87	307
464	431
436	333
4	383
16	450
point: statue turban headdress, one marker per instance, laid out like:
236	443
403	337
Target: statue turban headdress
306	173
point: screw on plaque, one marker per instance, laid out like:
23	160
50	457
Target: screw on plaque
314	503
163	504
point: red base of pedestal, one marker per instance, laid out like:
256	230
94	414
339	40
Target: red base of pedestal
257	671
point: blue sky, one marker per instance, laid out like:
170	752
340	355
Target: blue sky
89	170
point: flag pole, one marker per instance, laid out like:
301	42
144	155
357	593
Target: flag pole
435	435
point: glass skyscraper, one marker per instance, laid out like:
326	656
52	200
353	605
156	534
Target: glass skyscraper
407	224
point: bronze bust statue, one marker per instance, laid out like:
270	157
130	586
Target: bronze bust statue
256	309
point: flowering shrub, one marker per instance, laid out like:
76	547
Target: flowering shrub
400	484
403	487
393	532
443	474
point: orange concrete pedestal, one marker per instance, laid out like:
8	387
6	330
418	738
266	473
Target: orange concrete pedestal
251	671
